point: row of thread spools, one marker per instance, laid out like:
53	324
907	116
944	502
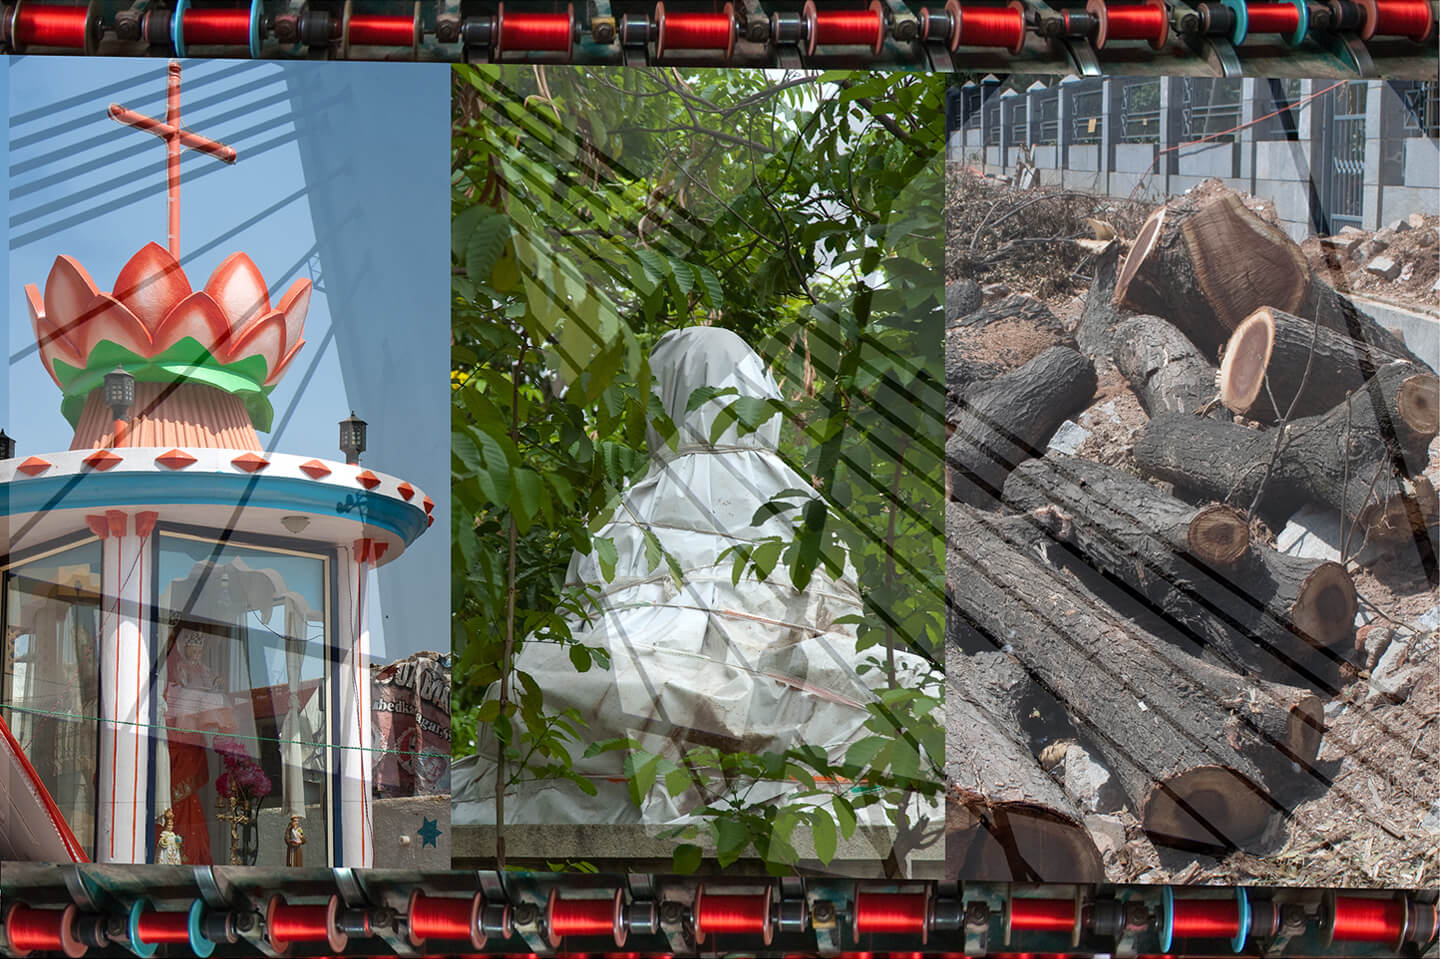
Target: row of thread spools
222	28
832	917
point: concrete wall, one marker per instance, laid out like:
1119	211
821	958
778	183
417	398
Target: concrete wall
1277	170
1084	158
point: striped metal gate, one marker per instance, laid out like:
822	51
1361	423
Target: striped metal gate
1342	168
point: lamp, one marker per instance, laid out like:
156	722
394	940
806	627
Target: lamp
120	396
7	447
119	392
352	438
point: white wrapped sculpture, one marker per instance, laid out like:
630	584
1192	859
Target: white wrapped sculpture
754	666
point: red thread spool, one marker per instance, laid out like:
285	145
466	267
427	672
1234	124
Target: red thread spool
1272	18
1205	918
748	914
902	912
535	32
164	928
845	27
1138	21
220	28
381	31
1042	915
43	930
445	918
994	26
1411	19
1356	919
695	31
287	924
585	917
375	30
75	28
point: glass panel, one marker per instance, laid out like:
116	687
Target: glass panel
242	644
50	687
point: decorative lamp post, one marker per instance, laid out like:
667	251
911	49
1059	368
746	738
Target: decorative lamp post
7	447
120	397
352	438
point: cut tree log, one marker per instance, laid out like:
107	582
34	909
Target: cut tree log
1206	261
1167	372
962	297
1290	351
1095	330
999	337
1010	418
1219	595
1180	734
1006	818
1353	458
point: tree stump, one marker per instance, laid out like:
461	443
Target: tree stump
1206	261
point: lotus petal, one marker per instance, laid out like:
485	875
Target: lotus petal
53	346
294	304
279	371
69	291
109	319
151	284
240	290
264	337
199	316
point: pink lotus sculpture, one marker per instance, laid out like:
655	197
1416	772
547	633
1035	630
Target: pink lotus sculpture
155	326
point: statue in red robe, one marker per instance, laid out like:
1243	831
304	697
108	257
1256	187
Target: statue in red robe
189	756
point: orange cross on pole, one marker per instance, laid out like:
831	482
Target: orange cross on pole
175	137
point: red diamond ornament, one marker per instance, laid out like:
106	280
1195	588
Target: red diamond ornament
250	462
175	459
101	460
33	466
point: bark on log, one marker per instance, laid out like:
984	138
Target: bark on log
1167	372
1362	478
962	297
1006	818
1238	603
1280	347
1009	419
1206	261
1095	331
997	338
1177	732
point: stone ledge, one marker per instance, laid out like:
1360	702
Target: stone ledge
634	848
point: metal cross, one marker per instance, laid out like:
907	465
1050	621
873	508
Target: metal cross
175	137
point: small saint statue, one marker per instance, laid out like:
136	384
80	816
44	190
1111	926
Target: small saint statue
295	843
167	847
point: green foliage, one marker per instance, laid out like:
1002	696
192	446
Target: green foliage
596	209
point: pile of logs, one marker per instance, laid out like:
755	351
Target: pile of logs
1149	616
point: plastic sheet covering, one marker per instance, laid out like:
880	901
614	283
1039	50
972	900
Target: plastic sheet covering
754	666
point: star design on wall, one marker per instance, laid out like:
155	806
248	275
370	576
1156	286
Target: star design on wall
428	832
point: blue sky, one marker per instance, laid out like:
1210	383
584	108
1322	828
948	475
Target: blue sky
83	185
